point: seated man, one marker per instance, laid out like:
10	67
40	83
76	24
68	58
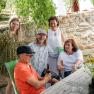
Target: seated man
26	78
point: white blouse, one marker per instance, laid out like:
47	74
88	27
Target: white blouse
70	60
54	39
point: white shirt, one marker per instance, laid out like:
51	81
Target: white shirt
54	39
70	60
39	60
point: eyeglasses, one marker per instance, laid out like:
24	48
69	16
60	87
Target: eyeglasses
30	55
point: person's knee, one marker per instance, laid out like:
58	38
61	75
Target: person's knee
9	82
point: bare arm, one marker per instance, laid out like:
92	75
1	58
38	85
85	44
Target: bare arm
60	66
76	65
78	62
40	78
38	83
62	37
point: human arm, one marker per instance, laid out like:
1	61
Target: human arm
38	83
62	37
40	78
28	75
79	62
60	64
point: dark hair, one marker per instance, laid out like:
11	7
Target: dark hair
12	20
53	18
74	45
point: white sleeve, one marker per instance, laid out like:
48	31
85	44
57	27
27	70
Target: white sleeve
79	55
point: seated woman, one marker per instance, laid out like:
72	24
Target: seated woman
71	59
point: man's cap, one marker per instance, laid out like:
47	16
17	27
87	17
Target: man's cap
24	49
41	31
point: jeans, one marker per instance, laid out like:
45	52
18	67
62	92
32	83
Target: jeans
67	73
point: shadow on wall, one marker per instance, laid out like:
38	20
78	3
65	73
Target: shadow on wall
91	87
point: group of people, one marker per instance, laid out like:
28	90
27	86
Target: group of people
34	58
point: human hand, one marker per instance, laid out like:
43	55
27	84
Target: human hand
74	67
47	77
54	80
60	67
41	78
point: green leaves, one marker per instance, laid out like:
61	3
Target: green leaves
92	2
2	4
39	10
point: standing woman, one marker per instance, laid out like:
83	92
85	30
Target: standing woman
55	41
71	58
9	41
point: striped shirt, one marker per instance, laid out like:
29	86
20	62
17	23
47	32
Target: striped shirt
39	60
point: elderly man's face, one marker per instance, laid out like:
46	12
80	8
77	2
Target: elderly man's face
25	57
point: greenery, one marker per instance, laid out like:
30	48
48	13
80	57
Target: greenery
4	17
2	4
89	62
92	2
38	10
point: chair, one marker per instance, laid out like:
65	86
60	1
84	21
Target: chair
10	68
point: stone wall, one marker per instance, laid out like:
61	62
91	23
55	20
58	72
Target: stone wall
80	27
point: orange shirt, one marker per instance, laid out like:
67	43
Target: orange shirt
22	73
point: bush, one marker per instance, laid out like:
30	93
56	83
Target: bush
2	4
38	10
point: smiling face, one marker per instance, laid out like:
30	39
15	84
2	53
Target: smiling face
53	24
14	25
41	38
68	47
25	58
